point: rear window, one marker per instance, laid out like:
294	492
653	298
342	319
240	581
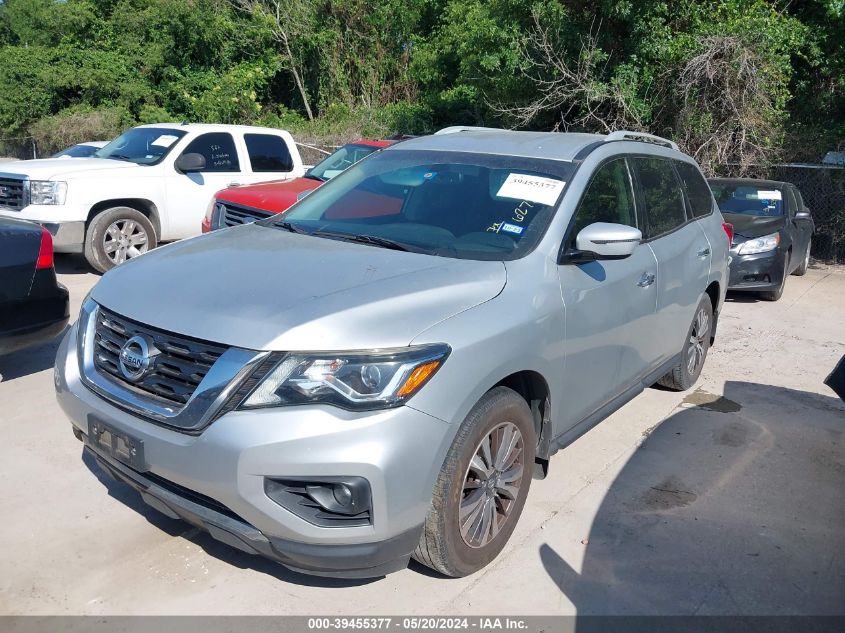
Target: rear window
664	202
268	153
748	200
698	193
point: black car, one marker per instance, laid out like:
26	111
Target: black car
772	233
33	305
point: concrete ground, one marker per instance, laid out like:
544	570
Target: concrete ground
727	499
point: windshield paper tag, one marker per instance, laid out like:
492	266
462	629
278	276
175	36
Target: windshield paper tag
769	195
533	188
165	140
511	228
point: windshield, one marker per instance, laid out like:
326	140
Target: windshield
748	200
345	157
454	204
142	145
77	151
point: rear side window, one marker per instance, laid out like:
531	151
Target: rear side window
664	202
698	193
268	153
219	151
609	198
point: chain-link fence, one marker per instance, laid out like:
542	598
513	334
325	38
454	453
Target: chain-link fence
21	147
823	190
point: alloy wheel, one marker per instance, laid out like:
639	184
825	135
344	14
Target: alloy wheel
124	239
697	341
491	485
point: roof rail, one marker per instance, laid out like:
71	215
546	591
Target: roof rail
643	137
465	128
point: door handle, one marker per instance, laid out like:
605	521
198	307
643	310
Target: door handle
234	183
646	280
704	252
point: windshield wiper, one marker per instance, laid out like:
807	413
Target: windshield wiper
373	240
287	226
308	174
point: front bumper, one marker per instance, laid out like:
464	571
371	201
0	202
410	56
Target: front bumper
66	224
398	451
761	271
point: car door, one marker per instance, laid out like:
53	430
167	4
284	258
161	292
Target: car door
610	304
188	195
681	248
801	228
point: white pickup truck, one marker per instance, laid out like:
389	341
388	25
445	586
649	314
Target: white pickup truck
151	184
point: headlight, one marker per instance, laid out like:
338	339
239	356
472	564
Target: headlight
760	244
47	192
359	380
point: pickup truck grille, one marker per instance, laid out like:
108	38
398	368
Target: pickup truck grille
175	372
235	215
12	193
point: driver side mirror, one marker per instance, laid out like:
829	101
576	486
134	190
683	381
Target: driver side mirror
603	240
190	162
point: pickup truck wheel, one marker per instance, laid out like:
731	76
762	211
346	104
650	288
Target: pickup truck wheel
482	486
117	234
696	346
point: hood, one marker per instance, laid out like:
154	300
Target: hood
262	288
751	226
275	196
56	168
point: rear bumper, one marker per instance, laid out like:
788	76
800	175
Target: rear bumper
763	271
32	321
357	560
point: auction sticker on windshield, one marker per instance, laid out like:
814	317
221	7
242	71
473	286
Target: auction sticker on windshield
532	188
165	140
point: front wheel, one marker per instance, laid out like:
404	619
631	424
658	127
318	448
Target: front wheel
775	295
482	486
694	353
805	263
118	234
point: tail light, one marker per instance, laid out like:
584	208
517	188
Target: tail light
45	251
729	231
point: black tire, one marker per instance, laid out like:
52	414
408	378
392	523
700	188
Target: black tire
699	334
99	239
442	545
805	263
775	295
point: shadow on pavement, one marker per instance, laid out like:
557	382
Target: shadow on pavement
176	527
734	505
30	360
71	264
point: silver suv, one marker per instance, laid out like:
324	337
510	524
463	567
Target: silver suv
381	371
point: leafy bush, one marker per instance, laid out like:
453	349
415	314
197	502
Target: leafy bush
78	124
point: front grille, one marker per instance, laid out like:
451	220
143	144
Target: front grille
12	193
175	372
235	215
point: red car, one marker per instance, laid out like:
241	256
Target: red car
245	204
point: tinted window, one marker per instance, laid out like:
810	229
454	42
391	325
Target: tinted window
609	198
452	204
664	203
77	151
698	193
219	151
268	153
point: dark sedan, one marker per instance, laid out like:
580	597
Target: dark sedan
772	233
33	305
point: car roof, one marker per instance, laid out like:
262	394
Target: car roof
210	127
550	145
372	142
751	182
